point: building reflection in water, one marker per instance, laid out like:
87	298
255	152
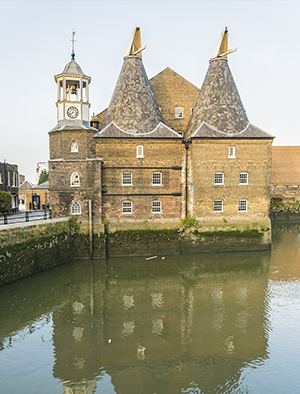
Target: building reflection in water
162	326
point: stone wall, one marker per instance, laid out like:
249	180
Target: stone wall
34	247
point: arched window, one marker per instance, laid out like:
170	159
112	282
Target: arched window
75	179
75	208
74	146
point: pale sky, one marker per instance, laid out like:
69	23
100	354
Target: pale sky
34	41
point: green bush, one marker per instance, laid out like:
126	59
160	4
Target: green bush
5	201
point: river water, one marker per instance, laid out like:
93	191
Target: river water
210	323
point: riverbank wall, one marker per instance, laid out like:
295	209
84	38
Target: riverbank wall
34	247
28	248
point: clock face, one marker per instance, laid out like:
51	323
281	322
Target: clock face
72	112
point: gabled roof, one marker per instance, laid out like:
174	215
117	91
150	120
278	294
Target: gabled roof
160	131
133	107
172	90
26	185
219	104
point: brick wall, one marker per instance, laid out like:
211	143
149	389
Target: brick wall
209	157
159	156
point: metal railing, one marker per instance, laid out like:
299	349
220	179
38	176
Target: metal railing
27	216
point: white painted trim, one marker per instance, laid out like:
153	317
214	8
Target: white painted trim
137	135
231	134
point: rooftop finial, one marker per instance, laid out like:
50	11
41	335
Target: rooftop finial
73	45
221	50
135	44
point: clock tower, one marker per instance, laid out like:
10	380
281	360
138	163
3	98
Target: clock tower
72	95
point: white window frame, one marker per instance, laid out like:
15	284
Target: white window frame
140	151
8	178
231	152
243	206
218	204
243	177
76	208
156	206
219	178
14	179
73	181
74	147
126	207
156	178
126	178
178	112
1	177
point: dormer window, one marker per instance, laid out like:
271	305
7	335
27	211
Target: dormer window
178	112
74	146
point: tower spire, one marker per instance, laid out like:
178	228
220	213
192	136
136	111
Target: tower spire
73	45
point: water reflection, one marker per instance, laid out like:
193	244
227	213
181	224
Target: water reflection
153	326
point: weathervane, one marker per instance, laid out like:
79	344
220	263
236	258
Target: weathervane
73	44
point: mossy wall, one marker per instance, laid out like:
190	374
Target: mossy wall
185	240
34	248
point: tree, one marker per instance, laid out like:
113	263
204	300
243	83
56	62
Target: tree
44	177
5	201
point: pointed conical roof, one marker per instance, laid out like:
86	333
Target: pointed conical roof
133	106
219	104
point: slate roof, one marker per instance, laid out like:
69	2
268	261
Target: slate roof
160	131
73	68
133	107
250	131
286	165
219	104
69	127
26	185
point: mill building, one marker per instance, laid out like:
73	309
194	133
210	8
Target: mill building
163	150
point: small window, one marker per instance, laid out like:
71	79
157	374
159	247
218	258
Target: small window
126	178
8	178
126	207
75	179
243	178
140	151
156	178
178	112
231	152
76	208
192	110
242	205
156	206
74	146
219	178
0	177
218	206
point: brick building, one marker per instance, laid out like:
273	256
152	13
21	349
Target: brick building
9	182
161	151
